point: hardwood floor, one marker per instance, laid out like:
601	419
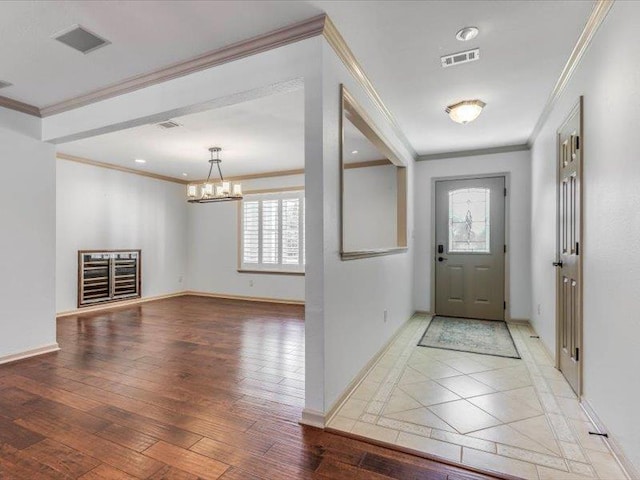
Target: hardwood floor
180	389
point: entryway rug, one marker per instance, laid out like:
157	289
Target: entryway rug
488	337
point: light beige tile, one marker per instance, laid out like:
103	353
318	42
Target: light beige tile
504	407
404	426
465	386
366	391
572	451
421	416
538	429
410	375
343	424
582	469
546	473
526	395
464	440
464	416
571	408
561	428
378	373
368	418
498	463
431	367
429	393
533	457
592	442
467	365
352	408
430	446
509	436
560	388
505	378
399	402
375	432
605	465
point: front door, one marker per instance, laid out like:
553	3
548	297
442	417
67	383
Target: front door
470	248
569	291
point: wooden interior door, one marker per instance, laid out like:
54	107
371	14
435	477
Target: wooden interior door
569	241
470	248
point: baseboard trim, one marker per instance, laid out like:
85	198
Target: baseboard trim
355	383
14	357
624	462
243	297
113	305
520	321
312	418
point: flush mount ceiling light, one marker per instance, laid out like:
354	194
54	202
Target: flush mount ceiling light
465	111
208	191
140	160
467	33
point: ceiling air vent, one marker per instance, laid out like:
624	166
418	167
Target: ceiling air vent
461	57
4	84
168	124
81	39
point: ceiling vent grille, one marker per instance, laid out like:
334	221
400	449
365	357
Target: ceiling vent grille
81	39
168	124
461	57
4	84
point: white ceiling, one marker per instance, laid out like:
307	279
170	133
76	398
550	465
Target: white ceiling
257	136
523	48
524	45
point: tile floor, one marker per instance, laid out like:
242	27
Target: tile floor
513	416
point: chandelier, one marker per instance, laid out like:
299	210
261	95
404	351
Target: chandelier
209	191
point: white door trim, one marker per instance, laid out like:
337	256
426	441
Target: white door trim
432	247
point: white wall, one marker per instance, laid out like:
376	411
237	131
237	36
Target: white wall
370	207
517	165
213	250
27	236
99	208
609	79
355	293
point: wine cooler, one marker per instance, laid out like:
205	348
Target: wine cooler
108	276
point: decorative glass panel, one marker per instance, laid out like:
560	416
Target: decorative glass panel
469	227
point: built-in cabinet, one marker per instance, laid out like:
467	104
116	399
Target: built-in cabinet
108	276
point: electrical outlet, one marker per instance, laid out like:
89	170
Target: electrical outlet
251	283
180	278
386	314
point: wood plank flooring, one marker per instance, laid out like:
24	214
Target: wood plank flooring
180	389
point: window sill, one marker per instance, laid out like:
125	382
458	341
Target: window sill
270	272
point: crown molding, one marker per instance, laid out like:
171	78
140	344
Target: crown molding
337	42
261	43
94	163
598	14
474	153
18	106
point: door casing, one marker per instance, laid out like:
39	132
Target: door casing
432	249
579	106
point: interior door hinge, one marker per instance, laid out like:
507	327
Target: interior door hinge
577	354
505	249
504	305
577	248
505	191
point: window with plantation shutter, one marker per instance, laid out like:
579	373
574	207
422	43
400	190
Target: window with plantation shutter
272	232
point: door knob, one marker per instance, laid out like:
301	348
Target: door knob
558	264
441	259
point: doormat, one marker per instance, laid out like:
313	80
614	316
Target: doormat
487	337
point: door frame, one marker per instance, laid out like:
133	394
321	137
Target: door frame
432	247
578	106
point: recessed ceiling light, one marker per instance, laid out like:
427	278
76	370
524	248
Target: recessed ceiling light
467	33
354	152
185	174
465	111
140	160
